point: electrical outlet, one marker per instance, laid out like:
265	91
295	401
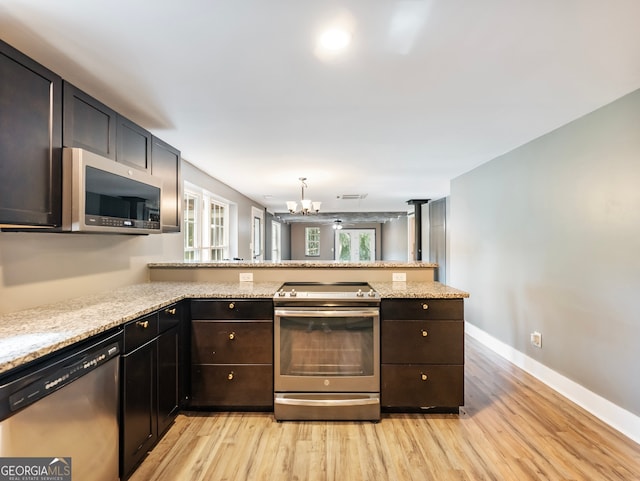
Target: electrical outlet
246	277
399	277
536	339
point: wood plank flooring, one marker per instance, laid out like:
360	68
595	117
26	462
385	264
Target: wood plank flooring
512	427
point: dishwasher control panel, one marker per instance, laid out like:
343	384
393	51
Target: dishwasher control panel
52	381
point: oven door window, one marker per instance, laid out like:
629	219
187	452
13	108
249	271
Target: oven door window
319	346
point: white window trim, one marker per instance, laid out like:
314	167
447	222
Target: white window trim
355	251
195	248
276	241
202	234
310	251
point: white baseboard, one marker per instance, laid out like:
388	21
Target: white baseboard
615	416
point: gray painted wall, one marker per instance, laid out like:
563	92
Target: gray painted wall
285	233
268	219
547	238
395	244
241	216
40	268
438	237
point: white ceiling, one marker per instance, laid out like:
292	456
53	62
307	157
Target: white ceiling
427	90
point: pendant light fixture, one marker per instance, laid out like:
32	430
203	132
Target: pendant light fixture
308	206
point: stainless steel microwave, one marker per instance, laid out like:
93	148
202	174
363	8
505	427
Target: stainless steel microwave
101	195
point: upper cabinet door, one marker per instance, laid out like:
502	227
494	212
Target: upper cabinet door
88	123
30	141
165	164
133	144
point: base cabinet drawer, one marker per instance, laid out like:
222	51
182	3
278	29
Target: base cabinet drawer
232	385
231	309
221	342
422	342
140	331
422	386
421	309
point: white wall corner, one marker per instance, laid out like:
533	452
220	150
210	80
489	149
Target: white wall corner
618	418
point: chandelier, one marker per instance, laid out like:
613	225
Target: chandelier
308	207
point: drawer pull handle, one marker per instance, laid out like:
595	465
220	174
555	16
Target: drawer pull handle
142	324
171	311
424	333
232	336
423	376
230	376
232	305
425	306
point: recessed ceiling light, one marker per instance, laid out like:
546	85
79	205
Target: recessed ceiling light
334	39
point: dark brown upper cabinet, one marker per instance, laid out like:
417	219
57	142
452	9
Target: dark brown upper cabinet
39	115
30	142
165	164
88	123
133	144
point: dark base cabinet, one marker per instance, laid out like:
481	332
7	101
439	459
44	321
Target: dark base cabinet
232	354
422	386
168	378
239	386
138	423
151	383
138	406
422	354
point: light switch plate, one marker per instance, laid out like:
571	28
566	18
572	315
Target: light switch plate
399	276
246	277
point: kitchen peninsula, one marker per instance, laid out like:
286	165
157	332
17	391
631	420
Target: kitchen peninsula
32	333
189	311
295	270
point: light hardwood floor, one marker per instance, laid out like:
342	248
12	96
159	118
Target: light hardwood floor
512	427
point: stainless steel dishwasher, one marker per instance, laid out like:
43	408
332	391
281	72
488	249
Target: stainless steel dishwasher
66	407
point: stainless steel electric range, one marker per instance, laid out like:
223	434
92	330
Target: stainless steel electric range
327	351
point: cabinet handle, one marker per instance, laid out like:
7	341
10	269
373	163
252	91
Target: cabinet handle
142	324
232	336
425	306
171	311
230	376
232	305
424	333
423	376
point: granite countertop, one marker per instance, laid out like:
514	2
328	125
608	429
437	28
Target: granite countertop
417	290
292	264
30	334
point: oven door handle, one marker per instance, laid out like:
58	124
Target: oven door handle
319	312
327	402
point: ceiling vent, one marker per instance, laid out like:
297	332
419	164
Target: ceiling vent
353	196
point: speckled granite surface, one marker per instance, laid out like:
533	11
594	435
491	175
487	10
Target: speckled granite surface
30	334
291	264
33	333
417	290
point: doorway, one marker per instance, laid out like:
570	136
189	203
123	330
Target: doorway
355	245
257	234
